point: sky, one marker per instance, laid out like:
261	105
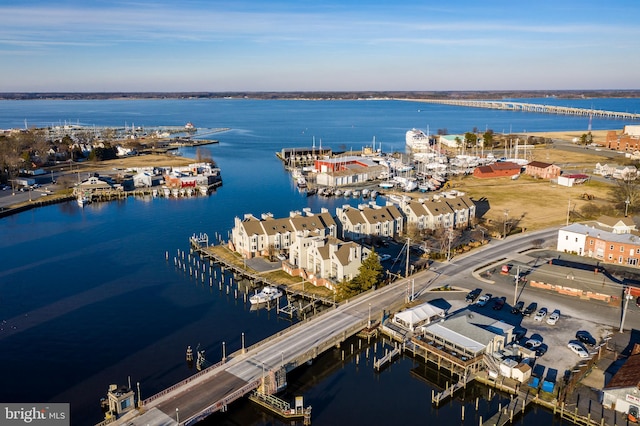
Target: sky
319	45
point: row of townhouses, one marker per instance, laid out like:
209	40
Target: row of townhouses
324	249
610	240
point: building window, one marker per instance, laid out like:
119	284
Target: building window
590	242
611	247
619	259
610	257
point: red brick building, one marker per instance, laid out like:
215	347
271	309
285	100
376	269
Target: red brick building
542	170
495	170
622	142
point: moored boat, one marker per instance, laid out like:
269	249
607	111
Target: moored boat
267	294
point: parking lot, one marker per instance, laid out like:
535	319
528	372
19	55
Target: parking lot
554	338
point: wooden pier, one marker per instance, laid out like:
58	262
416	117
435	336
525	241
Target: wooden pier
389	355
516	406
280	407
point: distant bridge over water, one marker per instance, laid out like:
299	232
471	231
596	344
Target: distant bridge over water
539	108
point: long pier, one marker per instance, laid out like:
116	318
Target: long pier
538	108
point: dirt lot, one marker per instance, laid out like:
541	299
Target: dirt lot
150	160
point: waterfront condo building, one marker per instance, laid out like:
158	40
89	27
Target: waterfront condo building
323	260
267	236
439	213
369	221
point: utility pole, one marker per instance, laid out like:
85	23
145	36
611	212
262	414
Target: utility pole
626	206
504	225
627	296
406	270
569	210
515	294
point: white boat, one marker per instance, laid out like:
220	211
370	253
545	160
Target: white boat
365	193
347	193
386	185
302	182
355	193
338	193
417	140
267	294
83	200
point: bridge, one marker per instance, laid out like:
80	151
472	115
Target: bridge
539	108
213	389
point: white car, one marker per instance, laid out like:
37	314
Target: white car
554	317
578	349
532	343
484	299
384	257
541	314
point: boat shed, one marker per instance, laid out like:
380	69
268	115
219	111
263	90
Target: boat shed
417	316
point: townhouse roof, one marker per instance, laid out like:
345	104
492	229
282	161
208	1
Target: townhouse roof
602	234
343	252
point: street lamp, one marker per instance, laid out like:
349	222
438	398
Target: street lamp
243	343
177	416
626	206
504	225
369	323
224	355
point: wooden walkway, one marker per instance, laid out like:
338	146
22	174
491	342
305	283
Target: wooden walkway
517	405
437	398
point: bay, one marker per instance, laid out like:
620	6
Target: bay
87	297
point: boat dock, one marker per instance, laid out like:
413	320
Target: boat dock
389	355
517	405
281	407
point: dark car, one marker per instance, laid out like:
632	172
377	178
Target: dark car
473	295
498	304
517	308
541	350
530	309
586	337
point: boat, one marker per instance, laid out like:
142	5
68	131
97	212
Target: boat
417	140
355	193
311	191
83	200
365	193
267	294
302	182
338	193
347	193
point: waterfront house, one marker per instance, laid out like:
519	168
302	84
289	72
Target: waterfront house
324	260
96	183
413	318
348	170
622	392
542	170
266	236
368	221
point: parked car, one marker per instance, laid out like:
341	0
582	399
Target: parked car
541	350
473	295
541	314
585	337
578	349
532	343
484	299
530	309
498	304
281	256
384	257
517	308
554	317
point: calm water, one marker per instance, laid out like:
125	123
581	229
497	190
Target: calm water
89	299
